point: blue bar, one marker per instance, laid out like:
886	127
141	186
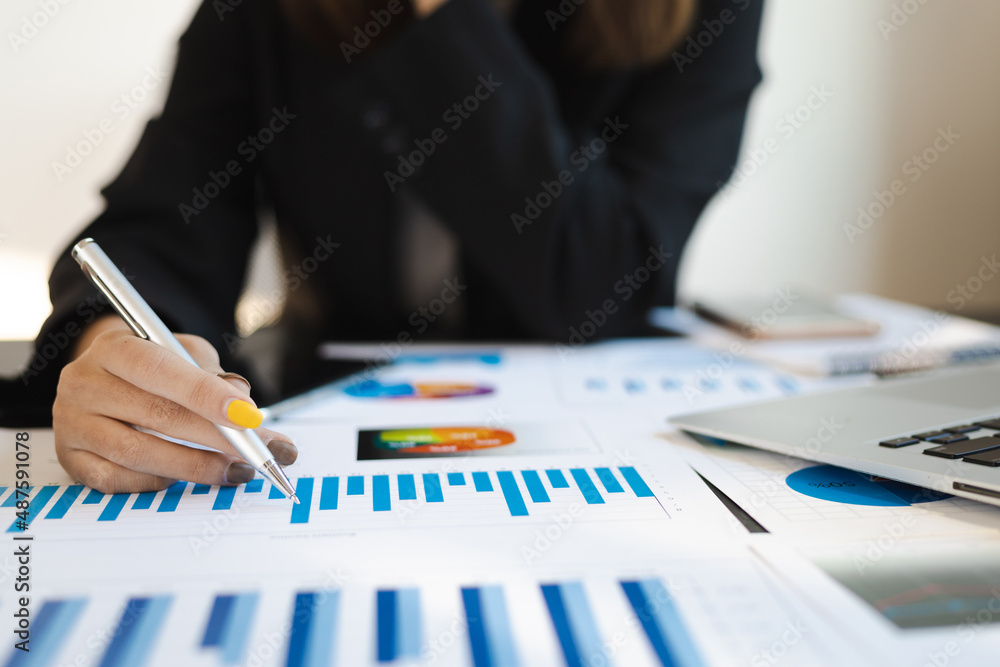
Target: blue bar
456	479
298	643
432	488
93	498
136	630
385	603
633	479
254	485
557	611
574	624
355	485
408	633
515	502
35	507
275	493
229	625
607	478
662	623
65	501
477	632
313	629
535	487
200	490
482	481
581	622
304	490
328	493
217	619
14	497
237	630
407	487
224	498
498	632
48	630
557	479
172	497
144	500
590	492
380	493
114	507
490	637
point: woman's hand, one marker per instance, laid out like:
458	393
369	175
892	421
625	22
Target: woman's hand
424	8
118	379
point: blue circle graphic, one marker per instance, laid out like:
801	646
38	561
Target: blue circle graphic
839	485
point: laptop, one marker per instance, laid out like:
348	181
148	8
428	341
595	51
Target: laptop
938	430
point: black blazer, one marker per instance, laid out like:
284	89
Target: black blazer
569	192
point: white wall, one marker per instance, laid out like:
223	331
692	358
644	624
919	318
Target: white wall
890	92
781	225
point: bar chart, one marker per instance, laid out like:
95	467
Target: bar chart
395	633
449	497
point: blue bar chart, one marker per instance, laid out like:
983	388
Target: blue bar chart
313	629
228	625
136	632
520	492
396	632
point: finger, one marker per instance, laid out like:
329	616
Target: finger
161	372
144	453
208	359
107	477
282	447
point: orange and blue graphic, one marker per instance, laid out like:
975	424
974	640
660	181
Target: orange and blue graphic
415	390
434	441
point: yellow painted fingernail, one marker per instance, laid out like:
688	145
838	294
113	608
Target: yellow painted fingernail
244	414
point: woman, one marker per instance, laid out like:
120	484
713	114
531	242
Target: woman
541	162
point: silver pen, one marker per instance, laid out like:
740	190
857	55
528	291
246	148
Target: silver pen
144	323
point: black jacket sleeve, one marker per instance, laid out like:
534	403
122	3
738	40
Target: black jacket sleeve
668	144
172	254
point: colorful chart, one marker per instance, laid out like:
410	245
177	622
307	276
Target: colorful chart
444	440
415	390
839	485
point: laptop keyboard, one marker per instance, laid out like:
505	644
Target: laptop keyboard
974	443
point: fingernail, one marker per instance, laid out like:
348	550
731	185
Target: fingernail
283	452
239	473
235	376
244	414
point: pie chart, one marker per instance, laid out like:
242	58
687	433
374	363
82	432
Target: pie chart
839	485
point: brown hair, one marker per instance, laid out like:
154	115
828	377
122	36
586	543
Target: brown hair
604	33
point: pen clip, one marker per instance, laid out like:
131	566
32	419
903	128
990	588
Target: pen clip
109	295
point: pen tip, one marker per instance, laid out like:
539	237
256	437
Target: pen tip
295	499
